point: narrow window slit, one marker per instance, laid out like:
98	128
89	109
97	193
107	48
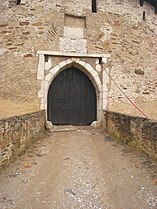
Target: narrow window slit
94	6
144	15
18	2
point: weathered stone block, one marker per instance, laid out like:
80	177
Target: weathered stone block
23	23
139	72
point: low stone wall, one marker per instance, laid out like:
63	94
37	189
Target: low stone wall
16	133
137	131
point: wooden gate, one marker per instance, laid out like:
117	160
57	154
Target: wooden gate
71	99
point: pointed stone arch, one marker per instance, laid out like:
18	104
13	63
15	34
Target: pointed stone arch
81	65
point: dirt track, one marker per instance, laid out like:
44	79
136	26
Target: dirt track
81	168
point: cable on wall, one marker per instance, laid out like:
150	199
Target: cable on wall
126	96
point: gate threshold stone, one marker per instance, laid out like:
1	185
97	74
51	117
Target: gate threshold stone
65	128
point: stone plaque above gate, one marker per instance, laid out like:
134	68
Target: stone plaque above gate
78	45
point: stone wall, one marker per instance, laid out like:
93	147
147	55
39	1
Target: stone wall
117	28
136	131
16	133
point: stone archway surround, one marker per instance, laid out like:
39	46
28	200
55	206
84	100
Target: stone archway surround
99	82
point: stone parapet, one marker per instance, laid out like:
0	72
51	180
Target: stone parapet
16	133
136	131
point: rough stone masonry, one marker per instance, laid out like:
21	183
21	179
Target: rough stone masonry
117	28
17	133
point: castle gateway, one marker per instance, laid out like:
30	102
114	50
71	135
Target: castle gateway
73	92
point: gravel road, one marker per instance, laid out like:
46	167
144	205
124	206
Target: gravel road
79	167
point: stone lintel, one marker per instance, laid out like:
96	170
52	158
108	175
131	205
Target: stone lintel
66	54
